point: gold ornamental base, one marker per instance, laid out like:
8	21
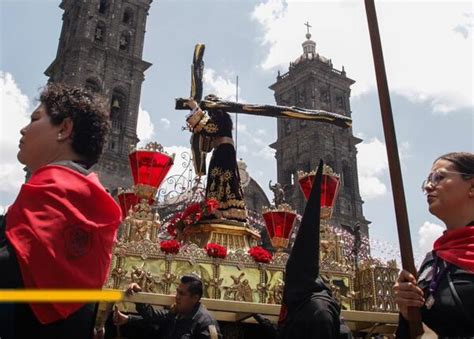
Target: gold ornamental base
280	243
231	234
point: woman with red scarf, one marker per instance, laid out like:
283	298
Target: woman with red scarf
59	232
444	290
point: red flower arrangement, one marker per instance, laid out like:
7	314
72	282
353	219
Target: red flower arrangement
170	246
259	254
191	215
216	250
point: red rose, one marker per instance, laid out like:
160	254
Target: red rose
215	250
191	209
174	223
170	246
198	216
260	254
171	230
211	205
191	215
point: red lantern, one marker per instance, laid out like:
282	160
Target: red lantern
149	168
127	200
329	188
279	222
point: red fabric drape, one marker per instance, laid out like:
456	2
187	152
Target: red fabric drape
457	247
62	226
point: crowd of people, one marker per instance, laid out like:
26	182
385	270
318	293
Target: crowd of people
60	231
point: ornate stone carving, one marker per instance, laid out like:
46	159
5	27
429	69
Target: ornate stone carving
276	293
278	193
138	276
150	283
240	290
118	274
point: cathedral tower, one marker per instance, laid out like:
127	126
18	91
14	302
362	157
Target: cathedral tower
100	47
313	83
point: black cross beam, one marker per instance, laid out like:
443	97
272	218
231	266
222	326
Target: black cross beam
274	111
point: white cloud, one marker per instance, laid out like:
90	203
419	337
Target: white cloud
220	86
372	164
372	157
251	137
465	29
242	149
371	187
425	59
255	143
165	123
15	108
243	128
145	128
428	233
266	153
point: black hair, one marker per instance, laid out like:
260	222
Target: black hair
463	162
88	113
194	284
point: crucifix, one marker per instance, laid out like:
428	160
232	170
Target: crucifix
213	130
307	26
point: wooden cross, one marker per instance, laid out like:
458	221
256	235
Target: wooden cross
275	111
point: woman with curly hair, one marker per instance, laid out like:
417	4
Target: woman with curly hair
59	232
444	289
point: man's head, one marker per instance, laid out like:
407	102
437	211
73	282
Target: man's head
188	294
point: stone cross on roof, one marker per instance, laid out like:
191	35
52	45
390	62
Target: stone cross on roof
307	26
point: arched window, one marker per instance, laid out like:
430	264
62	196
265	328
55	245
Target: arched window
124	42
340	102
127	18
330	162
324	95
347	177
287	177
118	108
99	34
92	85
103	6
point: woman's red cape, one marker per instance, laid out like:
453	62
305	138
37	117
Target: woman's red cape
62	226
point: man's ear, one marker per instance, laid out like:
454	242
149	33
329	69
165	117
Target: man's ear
66	128
196	298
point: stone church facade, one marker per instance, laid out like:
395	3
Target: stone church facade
312	82
100	47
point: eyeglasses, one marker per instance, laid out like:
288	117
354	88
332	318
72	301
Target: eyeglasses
435	177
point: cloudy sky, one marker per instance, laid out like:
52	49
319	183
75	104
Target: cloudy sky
428	50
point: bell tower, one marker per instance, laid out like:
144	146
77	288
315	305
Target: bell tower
101	47
312	82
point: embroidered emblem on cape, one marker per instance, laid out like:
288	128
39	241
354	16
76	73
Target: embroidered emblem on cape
77	241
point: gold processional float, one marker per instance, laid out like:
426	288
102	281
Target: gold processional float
239	277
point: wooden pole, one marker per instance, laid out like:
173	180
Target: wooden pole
236	115
403	228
